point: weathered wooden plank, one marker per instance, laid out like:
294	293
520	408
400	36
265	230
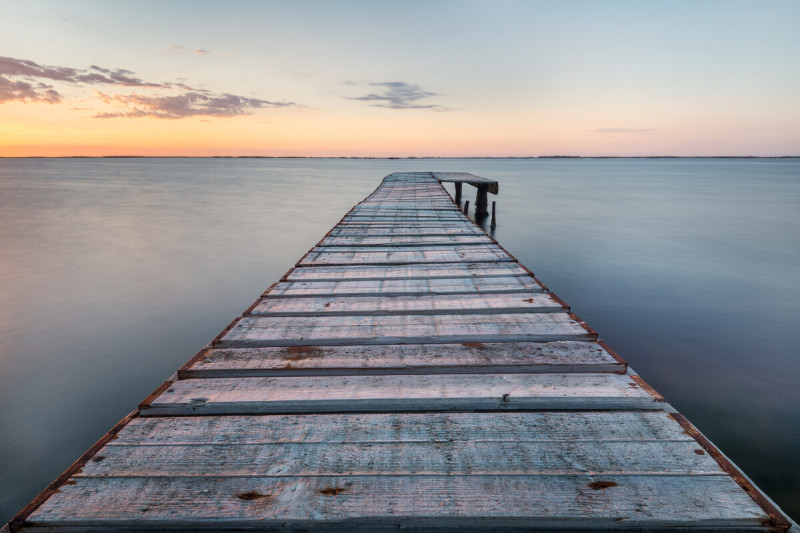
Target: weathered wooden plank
438	225
401	255
392	249
396	218
522	302
399	329
387	393
504	458
451	212
409	287
416	209
449	209
466	177
425	205
401	192
408	196
419	272
421	231
513	426
406	240
423	197
469	358
366	228
427	223
366	503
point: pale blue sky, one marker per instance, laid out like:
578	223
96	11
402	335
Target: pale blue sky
516	78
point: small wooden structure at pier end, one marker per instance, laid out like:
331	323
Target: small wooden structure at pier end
483	185
407	373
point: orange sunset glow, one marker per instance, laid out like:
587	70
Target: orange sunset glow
280	80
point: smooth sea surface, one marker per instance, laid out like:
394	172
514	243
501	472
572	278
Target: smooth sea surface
114	272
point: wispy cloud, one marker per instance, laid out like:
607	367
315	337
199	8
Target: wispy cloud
622	130
18	79
399	95
188	104
21	80
179	49
22	91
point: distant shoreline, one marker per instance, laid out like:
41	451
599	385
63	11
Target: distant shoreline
402	158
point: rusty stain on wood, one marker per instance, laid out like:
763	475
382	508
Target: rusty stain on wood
600	485
252	495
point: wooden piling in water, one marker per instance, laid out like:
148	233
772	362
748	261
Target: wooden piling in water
481	201
407	373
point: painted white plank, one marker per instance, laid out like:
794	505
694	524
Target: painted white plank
513	426
315	394
468	358
365	503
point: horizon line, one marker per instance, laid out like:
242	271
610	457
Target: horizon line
398	157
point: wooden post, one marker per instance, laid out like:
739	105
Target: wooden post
458	193
466	207
481	200
494	221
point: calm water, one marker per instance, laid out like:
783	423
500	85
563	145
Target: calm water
114	272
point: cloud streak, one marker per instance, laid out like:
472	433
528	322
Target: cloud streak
399	95
21	80
189	104
18	80
22	91
623	130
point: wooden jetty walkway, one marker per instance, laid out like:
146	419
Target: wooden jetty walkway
408	373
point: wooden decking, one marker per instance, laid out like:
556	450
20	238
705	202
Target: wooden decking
408	373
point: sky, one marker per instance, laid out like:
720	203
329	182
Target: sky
396	79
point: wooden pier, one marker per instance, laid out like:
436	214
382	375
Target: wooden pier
408	373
